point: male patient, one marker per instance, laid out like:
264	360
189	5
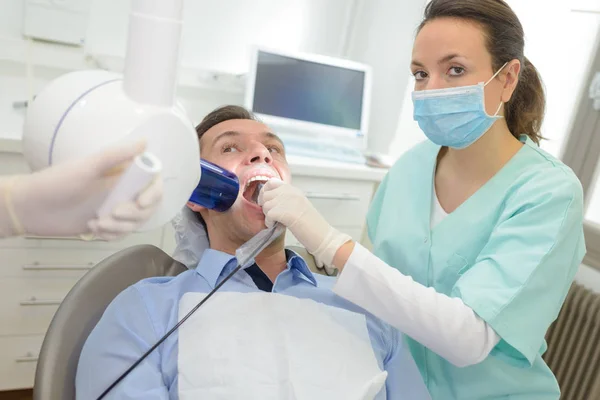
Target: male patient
273	331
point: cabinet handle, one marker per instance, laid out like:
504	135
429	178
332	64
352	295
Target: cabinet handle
332	196
29	357
39	267
36	237
41	302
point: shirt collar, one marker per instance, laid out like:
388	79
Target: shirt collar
295	262
214	263
525	139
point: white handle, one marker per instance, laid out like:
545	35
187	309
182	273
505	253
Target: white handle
29	357
39	267
332	196
41	302
35	237
586	11
140	174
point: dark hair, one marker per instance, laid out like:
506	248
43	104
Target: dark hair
222	114
505	41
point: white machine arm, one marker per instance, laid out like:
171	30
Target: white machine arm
82	112
153	51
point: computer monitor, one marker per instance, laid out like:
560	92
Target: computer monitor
310	96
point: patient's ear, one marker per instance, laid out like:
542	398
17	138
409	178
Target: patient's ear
195	207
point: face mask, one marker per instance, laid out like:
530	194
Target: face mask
454	117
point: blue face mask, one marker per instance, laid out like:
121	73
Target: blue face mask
454	117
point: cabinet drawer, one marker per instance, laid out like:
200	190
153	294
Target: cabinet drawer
151	237
48	263
29	304
18	359
342	203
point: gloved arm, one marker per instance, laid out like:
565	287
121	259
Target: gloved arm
62	200
445	325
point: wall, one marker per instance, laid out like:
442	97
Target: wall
216	34
215	45
382	37
549	44
588	277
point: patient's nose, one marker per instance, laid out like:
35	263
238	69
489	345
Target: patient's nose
260	154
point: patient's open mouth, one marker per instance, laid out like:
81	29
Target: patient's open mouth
251	191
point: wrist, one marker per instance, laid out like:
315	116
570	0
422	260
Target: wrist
330	244
342	255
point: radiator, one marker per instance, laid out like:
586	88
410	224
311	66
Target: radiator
574	345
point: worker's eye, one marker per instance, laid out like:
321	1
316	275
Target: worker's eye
456	71
230	148
420	75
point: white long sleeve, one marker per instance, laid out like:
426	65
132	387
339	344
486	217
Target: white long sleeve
445	325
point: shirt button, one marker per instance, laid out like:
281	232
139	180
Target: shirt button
426	240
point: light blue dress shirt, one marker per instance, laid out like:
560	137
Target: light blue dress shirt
143	313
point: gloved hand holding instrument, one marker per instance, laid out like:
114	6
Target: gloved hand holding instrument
286	204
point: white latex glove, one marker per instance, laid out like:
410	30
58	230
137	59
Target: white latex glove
286	204
62	200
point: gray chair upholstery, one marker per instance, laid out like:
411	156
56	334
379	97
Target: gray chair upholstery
81	310
83	306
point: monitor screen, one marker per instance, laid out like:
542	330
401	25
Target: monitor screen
308	91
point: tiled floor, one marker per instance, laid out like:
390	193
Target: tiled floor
18	395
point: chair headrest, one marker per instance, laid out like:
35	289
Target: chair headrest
190	237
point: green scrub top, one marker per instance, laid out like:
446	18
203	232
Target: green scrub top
510	252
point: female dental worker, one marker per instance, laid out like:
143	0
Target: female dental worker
59	201
477	233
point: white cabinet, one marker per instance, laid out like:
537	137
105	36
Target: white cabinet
342	202
37	273
18	357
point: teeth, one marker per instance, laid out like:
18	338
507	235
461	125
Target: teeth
261	178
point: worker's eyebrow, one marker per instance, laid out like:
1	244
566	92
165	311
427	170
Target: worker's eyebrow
443	60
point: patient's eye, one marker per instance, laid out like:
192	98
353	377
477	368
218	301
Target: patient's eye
229	148
274	149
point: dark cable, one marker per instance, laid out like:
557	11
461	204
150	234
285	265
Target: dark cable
143	357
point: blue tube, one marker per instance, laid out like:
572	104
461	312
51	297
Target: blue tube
218	188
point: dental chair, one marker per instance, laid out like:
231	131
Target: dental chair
83	306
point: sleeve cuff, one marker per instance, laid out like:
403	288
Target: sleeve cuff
510	348
346	283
